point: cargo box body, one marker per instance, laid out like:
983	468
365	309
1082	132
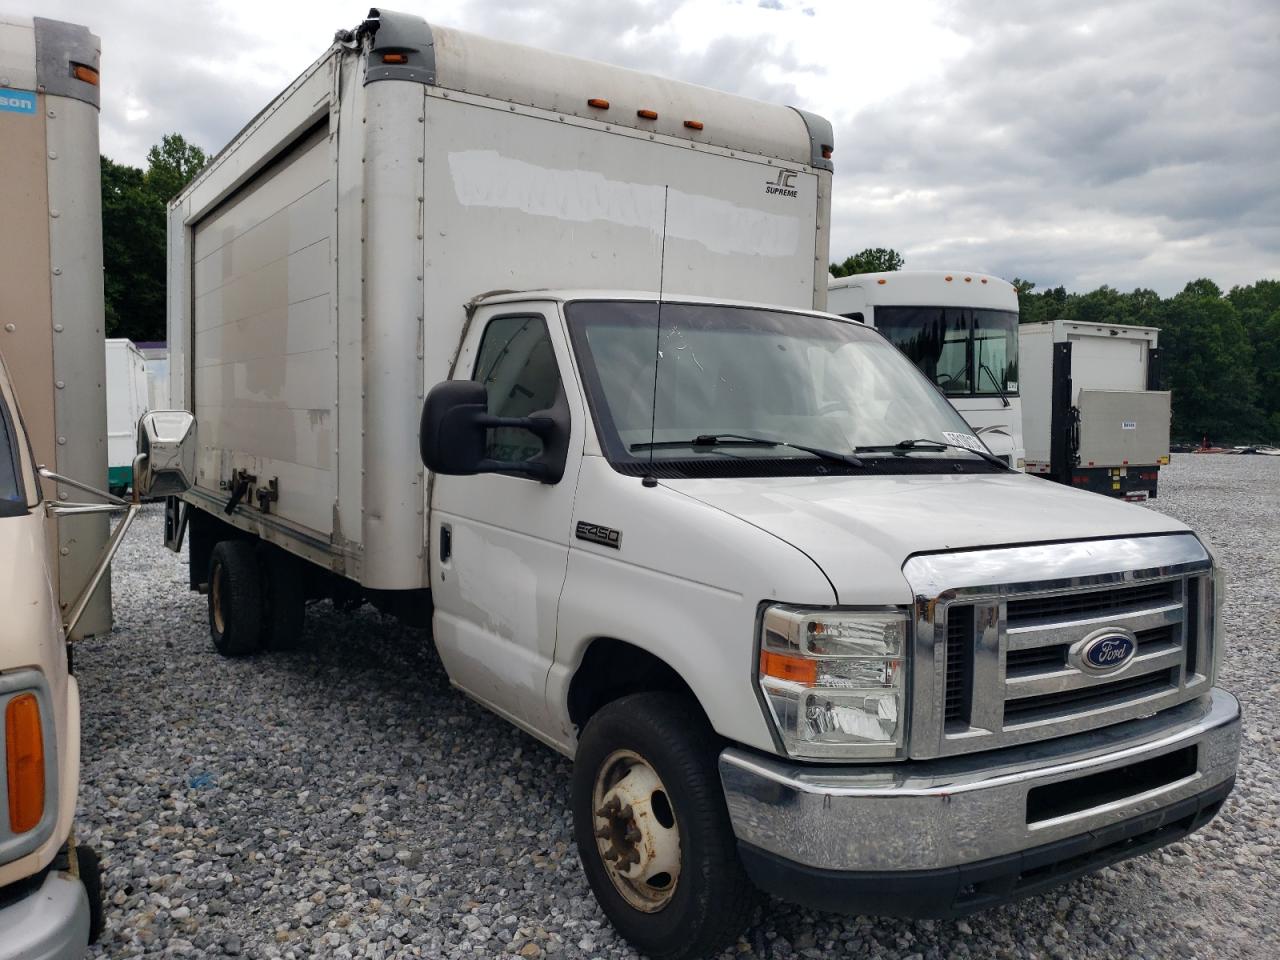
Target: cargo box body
51	294
320	268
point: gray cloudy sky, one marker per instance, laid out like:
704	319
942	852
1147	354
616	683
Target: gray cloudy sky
1134	143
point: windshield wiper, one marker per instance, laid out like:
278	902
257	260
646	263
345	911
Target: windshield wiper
999	388
928	443
742	440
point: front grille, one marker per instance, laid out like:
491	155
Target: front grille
1064	703
1040	688
1095	603
959	665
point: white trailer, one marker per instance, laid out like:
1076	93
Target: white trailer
127	401
1093	416
51	297
960	329
740	560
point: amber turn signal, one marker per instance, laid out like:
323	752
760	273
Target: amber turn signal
780	666
24	756
87	74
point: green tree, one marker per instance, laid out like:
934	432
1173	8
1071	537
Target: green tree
133	235
1258	307
1209	366
172	164
870	260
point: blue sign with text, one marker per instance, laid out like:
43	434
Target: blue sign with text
18	101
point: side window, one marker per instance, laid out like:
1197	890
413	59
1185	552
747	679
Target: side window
517	366
13	499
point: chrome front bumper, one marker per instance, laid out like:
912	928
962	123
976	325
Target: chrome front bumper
938	816
51	922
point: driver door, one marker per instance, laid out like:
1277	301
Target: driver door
500	542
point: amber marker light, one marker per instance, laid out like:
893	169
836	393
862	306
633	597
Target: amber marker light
87	74
647	114
599	103
395	58
24	756
882	281
780	666
948	279
692	124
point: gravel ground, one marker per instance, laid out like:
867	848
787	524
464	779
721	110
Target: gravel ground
344	801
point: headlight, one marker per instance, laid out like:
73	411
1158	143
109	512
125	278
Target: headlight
834	680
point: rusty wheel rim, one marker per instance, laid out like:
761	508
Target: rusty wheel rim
637	836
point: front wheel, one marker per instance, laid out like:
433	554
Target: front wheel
653	831
235	598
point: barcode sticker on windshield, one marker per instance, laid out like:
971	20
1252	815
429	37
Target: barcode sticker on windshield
966	440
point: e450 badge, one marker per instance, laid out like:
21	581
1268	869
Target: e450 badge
594	533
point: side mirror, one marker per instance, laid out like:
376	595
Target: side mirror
166	461
454	432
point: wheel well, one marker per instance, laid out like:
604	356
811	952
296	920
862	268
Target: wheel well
614	668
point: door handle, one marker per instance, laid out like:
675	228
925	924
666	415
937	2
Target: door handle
446	542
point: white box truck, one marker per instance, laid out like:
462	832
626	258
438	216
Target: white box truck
1093	415
798	630
127	401
961	329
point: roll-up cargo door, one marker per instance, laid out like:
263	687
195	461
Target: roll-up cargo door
264	337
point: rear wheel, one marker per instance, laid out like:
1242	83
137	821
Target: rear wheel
653	831
235	598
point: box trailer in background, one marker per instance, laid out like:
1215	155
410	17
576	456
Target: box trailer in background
155	354
1092	412
960	329
51	297
127	401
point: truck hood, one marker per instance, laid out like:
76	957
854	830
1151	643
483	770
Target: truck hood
860	530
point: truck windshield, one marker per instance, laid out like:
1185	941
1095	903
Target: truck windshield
734	371
13	499
966	352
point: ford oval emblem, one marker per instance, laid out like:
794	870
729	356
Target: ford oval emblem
1104	651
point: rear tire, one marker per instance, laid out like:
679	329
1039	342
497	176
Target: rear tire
284	600
235	598
657	754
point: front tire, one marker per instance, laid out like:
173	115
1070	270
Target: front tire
652	829
235	598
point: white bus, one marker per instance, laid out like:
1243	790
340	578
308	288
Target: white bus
961	329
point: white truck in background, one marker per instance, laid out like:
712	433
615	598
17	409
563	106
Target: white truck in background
462	325
1093	413
127	401
961	329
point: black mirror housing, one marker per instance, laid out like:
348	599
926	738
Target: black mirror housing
454	431
451	437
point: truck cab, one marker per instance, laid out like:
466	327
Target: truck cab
692	544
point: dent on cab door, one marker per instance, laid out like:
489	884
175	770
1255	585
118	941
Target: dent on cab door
500	542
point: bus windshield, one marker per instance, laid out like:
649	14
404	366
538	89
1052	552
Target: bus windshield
967	352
